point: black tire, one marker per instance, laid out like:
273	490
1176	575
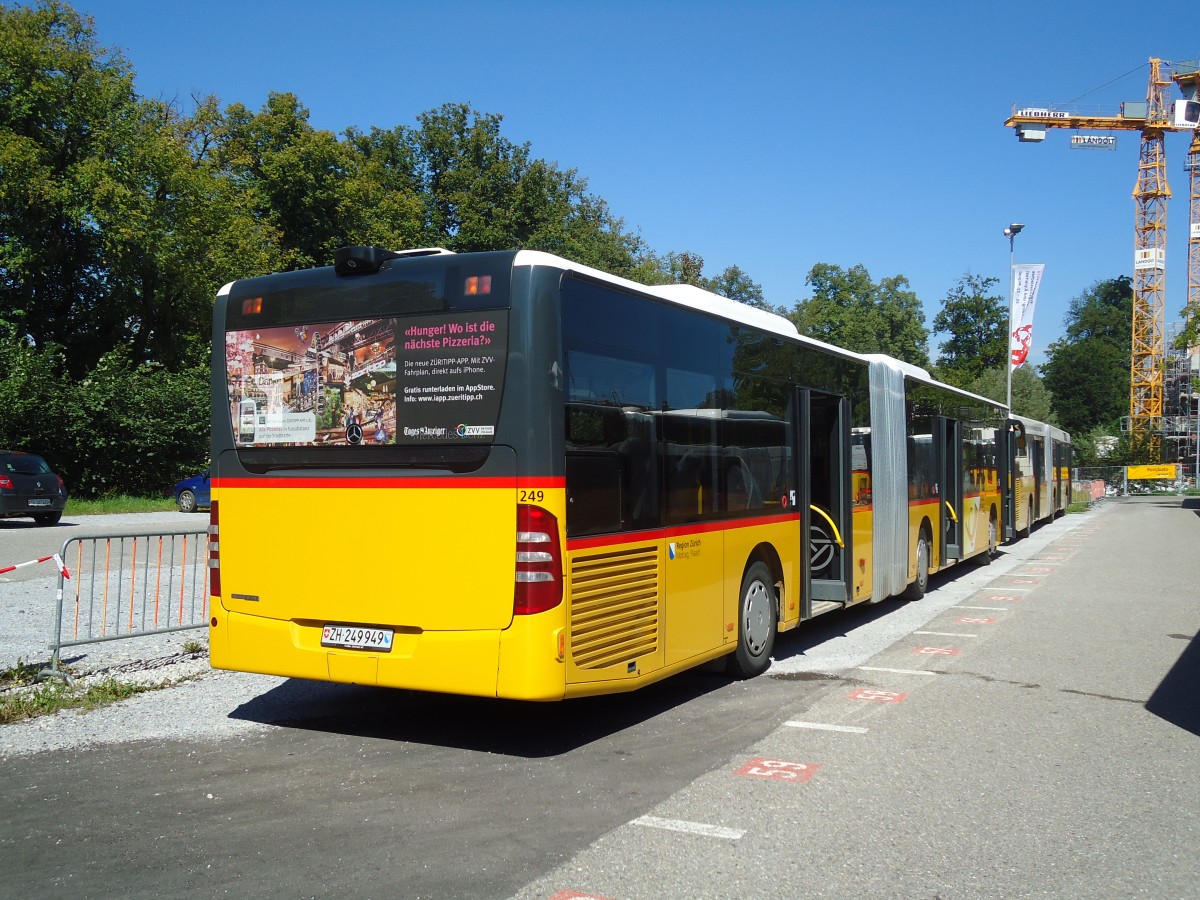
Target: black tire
186	501
47	518
757	623
1028	529
917	589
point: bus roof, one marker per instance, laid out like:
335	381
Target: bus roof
686	295
918	374
1043	429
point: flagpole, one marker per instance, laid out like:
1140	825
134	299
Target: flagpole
1010	232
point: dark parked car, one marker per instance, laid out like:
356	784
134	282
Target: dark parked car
29	489
194	492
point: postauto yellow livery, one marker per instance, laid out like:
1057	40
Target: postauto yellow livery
509	475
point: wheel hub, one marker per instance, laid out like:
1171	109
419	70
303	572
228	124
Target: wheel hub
756	624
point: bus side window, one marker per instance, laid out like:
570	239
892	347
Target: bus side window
593	471
739	487
610	444
689	477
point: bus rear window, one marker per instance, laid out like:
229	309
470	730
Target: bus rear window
416	379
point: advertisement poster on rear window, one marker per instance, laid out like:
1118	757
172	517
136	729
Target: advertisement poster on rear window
375	382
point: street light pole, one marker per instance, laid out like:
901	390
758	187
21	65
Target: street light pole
1010	232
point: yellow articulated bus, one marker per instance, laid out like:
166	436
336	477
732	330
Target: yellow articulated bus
1039	460
510	475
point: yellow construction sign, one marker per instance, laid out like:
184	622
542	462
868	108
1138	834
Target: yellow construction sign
1146	473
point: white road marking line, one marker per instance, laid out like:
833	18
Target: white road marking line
701	828
992	608
823	726
945	634
897	671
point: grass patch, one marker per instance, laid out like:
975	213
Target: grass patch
118	504
20	675
53	696
1078	507
23	697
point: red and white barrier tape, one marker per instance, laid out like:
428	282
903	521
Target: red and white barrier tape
57	561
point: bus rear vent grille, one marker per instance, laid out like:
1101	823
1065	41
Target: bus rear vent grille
614	607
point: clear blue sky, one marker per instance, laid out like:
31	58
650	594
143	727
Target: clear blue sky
767	135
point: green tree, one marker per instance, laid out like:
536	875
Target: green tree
295	177
977	324
737	285
1030	397
1087	371
121	405
384	203
171	230
849	310
482	191
113	226
64	104
31	395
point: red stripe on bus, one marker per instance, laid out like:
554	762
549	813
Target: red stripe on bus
409	482
658	534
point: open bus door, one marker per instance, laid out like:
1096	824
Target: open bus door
1037	453
948	459
1012	437
824	444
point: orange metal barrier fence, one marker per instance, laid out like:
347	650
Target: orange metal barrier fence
122	586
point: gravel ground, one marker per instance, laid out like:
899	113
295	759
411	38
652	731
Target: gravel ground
197	704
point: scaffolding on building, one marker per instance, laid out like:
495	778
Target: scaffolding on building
1181	401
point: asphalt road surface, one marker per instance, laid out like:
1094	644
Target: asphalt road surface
1029	729
22	540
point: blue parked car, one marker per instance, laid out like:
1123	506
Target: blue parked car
193	493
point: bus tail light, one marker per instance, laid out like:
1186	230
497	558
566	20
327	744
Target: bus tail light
539	562
214	552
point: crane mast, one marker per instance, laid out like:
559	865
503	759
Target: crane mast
1150	196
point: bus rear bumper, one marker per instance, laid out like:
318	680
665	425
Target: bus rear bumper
456	662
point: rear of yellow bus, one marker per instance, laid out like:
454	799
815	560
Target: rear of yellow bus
385	508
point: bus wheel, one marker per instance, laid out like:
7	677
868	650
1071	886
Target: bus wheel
756	623
1028	529
917	589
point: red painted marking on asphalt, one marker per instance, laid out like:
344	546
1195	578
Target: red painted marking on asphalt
1002	598
879	696
575	895
1058	557
1025	580
937	651
778	770
1040	570
975	620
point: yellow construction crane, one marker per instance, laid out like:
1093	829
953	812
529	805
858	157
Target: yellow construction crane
1153	119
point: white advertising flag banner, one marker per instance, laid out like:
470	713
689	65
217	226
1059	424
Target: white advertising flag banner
1026	280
